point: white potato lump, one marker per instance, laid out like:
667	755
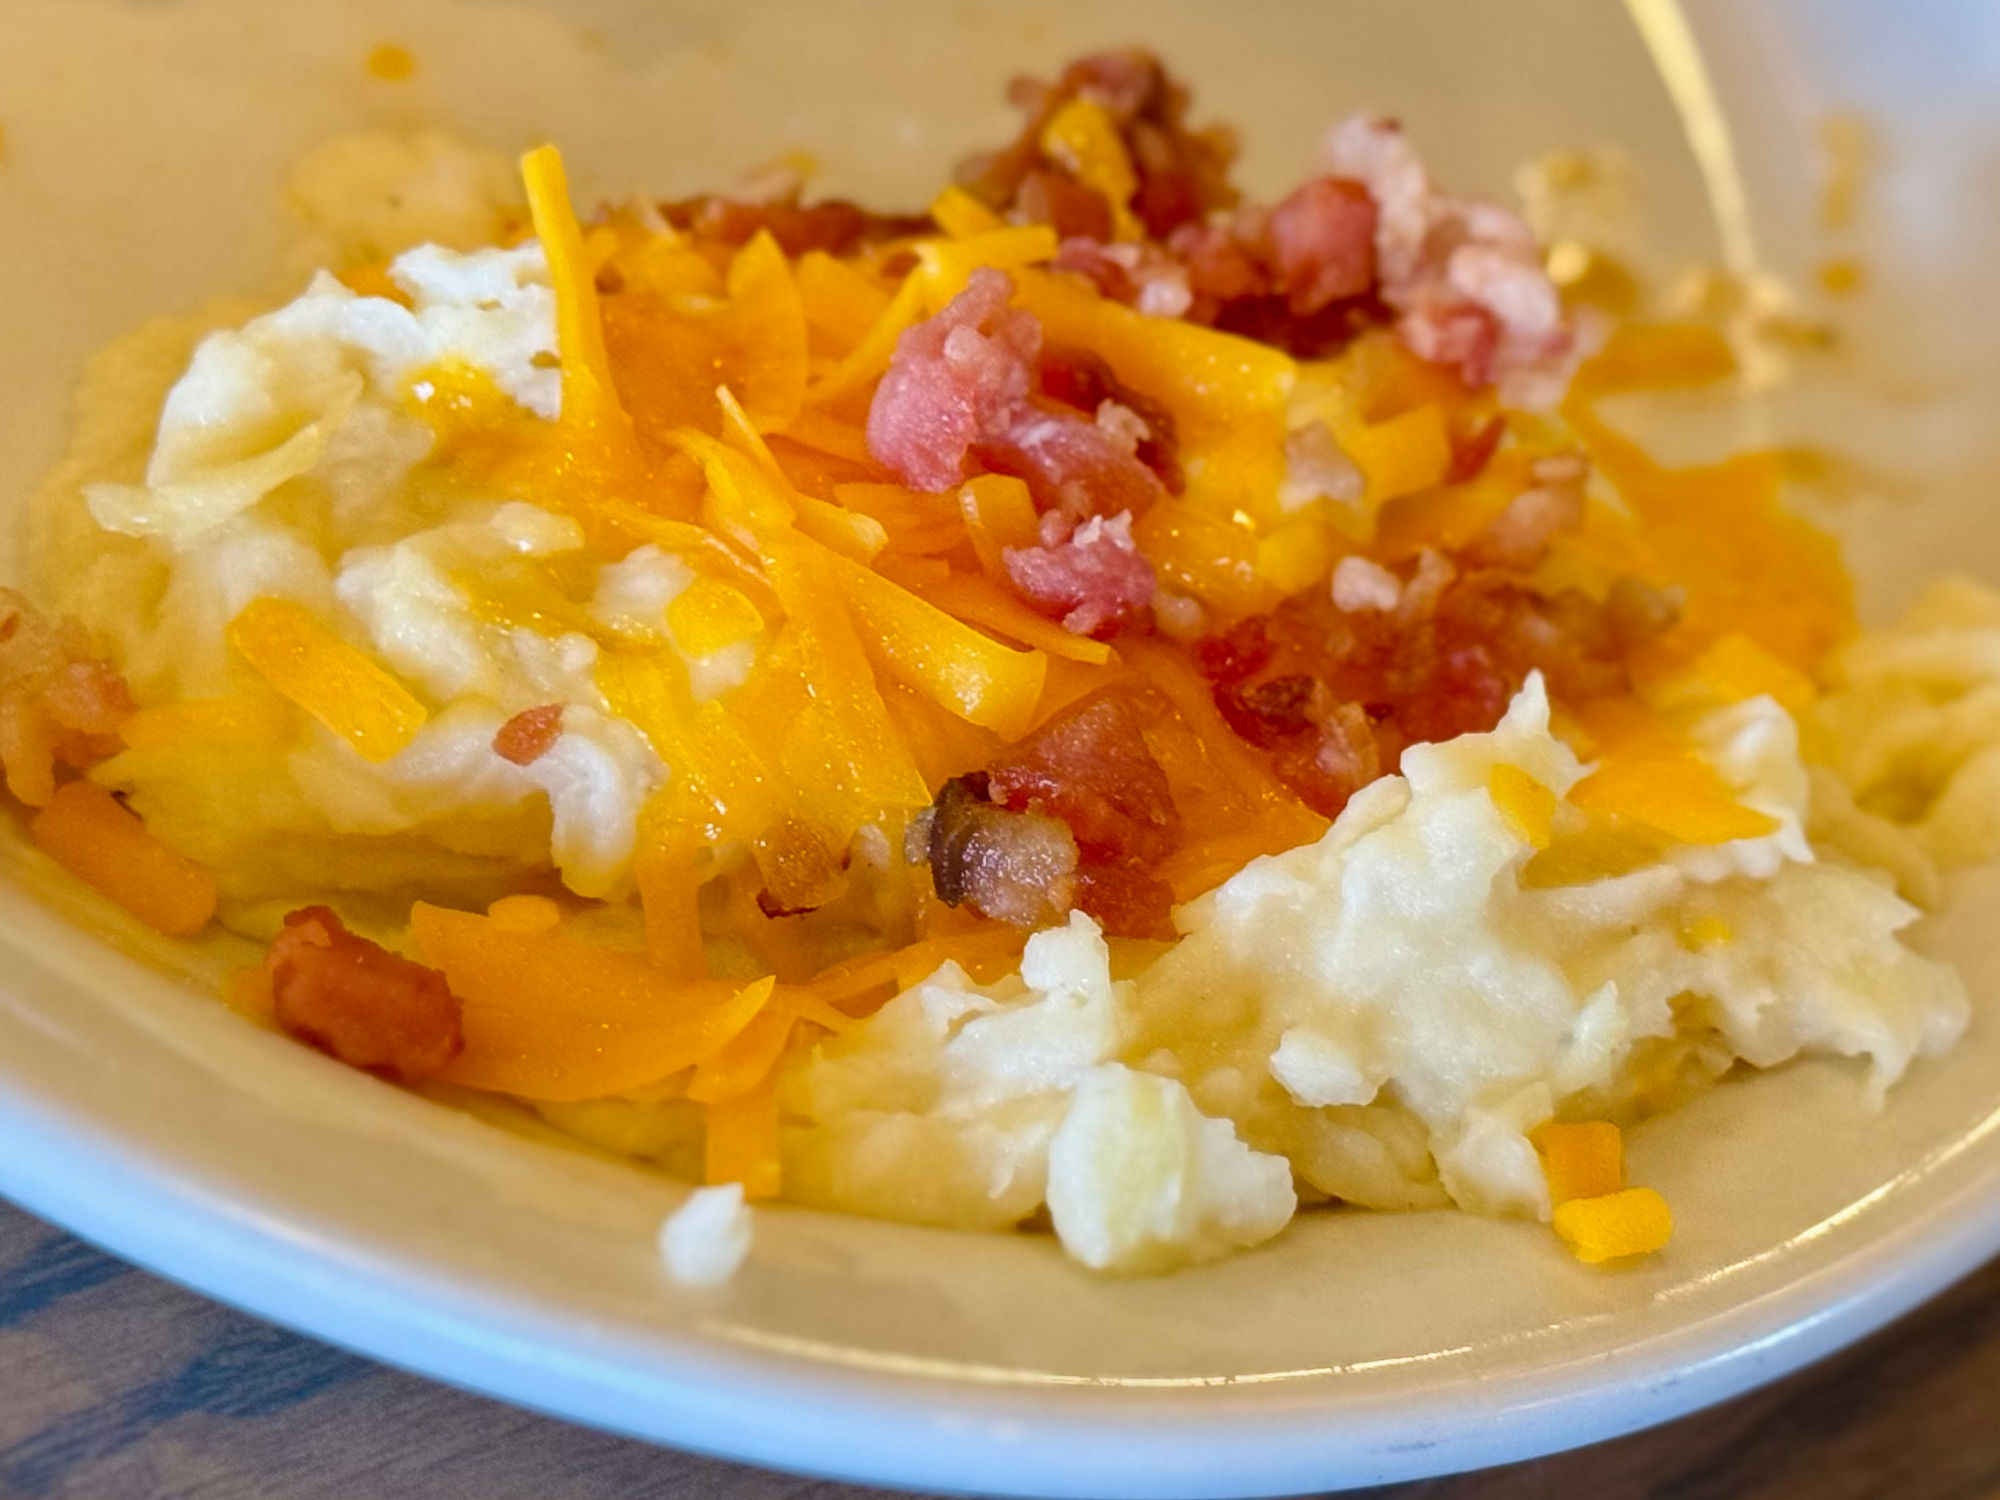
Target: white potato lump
287	462
1381	1017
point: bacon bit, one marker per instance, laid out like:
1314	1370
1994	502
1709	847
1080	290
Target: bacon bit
1081	379
955	380
1084	798
1065	205
1472	450
1322	240
958	387
60	707
1182	174
1016	867
1073	467
1090	576
833	225
1335	687
529	735
1126	902
354	999
1139	273
1090	767
1463	277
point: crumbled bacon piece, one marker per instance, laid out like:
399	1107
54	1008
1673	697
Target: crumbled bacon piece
356	1000
529	735
1090	767
1080	378
833	225
959	388
1518	538
1139	273
1335	684
1016	867
958	379
1322	240
1065	205
1091	576
1082	796
1182	174
60	707
1072	466
1472	447
1464	278
1126	902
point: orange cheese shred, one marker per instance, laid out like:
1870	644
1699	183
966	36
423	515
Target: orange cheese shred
103	843
741	1144
341	687
549	1016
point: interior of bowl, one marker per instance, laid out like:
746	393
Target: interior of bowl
147	1115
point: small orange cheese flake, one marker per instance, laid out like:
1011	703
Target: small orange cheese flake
1585	1160
525	914
99	840
550	1016
1706	932
1636	1221
246	720
1527	805
747	1060
341	687
742	1142
961	215
1676	795
1403	455
1732	669
708	615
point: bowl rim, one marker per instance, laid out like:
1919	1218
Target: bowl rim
945	1427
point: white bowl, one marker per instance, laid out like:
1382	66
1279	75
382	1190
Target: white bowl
144	146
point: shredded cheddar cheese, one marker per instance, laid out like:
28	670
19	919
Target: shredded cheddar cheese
339	686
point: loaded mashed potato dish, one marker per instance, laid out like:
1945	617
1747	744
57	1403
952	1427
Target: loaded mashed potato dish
1100	707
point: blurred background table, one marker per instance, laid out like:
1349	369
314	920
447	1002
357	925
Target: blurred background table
115	1385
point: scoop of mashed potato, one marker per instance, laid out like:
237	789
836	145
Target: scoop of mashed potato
1380	1017
289	462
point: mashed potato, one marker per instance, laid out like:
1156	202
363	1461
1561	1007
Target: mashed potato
1381	1015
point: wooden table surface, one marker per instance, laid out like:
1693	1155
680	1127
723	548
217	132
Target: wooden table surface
115	1385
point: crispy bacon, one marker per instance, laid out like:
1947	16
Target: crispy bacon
354	999
1090	767
1336	684
956	380
1080	378
1464	277
1091	576
60	707
959	388
1322	240
833	224
1126	902
1016	867
1082	797
1075	468
1182	173
529	735
1139	273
